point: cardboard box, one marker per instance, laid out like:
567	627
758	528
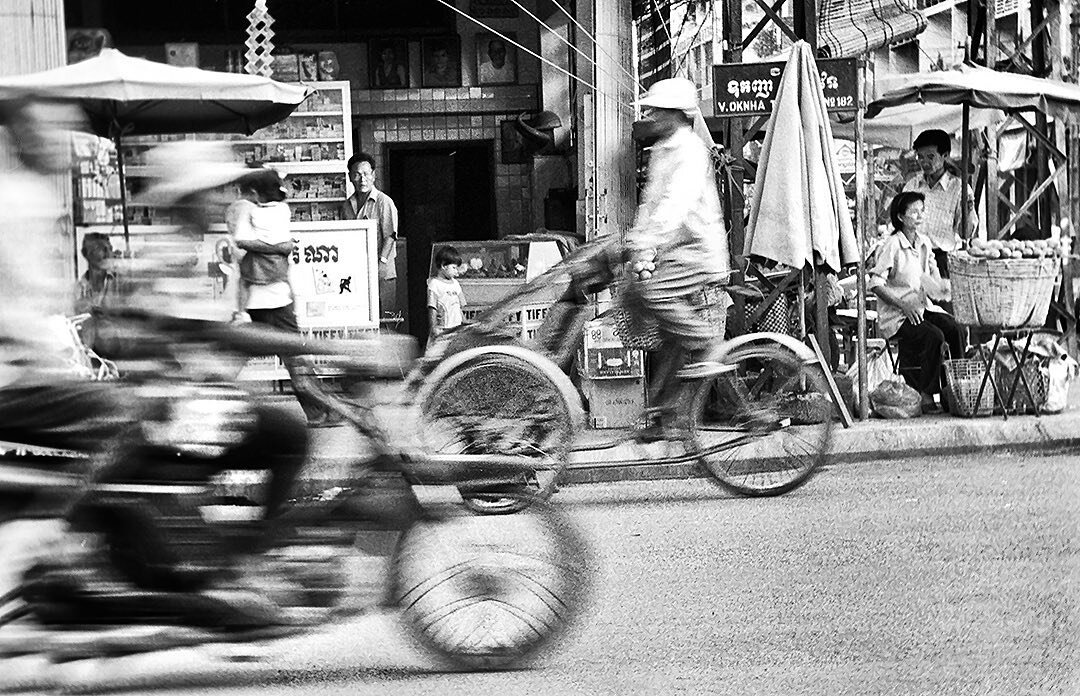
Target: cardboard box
603	355
614	403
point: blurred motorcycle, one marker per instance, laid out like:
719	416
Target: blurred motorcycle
144	544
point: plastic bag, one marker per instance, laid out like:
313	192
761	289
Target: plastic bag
878	369
894	399
1061	370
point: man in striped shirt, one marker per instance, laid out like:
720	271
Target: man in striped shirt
941	185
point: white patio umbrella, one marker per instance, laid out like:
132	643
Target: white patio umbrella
898	126
122	96
800	213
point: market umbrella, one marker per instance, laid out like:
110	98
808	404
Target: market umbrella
979	87
973	86
898	126
800	214
122	95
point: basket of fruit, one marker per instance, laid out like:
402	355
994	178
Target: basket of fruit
1006	284
635	327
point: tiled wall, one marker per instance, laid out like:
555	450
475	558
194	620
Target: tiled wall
453	114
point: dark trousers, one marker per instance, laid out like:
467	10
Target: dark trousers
284	318
921	347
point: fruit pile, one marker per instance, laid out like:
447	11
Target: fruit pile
1017	249
644	264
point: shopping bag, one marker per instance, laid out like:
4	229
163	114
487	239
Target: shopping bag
878	369
894	399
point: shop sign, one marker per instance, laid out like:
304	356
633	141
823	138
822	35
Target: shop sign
493	8
334	274
749	89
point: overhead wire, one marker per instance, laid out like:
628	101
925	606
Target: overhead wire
701	25
536	55
633	85
663	24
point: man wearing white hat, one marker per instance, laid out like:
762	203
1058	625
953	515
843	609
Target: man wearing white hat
679	223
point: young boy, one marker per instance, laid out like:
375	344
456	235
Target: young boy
445	298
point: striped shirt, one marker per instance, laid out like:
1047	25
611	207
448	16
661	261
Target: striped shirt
941	217
377	206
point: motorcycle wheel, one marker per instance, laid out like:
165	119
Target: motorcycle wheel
486	592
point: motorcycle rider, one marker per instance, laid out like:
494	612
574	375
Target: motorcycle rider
41	405
43	400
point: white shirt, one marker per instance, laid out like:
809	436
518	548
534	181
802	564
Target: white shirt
489	74
267	223
34	291
447	299
901	266
679	215
941	215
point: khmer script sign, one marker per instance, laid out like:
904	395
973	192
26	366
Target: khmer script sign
748	89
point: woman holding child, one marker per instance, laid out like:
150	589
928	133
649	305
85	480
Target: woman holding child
259	223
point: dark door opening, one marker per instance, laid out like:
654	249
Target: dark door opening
443	194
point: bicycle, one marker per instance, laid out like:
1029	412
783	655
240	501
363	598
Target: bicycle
484	390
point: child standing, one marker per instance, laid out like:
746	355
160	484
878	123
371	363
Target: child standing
445	298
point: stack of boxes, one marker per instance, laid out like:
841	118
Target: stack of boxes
612	377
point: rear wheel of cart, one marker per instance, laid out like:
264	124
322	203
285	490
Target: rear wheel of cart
502	400
763	428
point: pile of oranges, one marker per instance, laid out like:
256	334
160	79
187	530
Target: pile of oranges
1017	249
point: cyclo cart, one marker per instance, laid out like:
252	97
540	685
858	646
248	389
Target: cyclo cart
761	428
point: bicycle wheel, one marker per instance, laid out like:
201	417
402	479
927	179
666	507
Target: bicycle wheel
502	400
764	428
487	593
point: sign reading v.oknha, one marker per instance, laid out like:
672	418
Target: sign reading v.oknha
748	89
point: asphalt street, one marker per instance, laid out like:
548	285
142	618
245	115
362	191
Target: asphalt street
912	576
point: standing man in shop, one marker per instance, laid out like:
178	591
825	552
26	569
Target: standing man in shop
941	186
369	203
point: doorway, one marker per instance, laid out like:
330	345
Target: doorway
444	193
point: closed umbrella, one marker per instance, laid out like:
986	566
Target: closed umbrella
799	214
122	95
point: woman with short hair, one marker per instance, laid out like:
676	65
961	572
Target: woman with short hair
903	277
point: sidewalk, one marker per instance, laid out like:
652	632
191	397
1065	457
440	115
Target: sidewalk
875	438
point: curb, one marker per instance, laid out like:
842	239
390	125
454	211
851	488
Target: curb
878	439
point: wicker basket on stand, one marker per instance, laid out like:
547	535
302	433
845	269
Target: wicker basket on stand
1002	293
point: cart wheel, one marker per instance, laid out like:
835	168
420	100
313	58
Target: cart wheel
774	412
502	400
485	593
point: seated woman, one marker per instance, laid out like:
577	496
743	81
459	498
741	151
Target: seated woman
903	277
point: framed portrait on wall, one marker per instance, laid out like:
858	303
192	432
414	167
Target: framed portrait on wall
441	58
309	66
388	63
496	59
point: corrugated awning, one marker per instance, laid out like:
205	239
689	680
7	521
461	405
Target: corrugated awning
852	27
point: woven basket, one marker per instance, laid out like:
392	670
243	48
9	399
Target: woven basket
1005	293
1038	379
962	380
636	330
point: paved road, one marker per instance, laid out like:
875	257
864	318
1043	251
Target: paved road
954	576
